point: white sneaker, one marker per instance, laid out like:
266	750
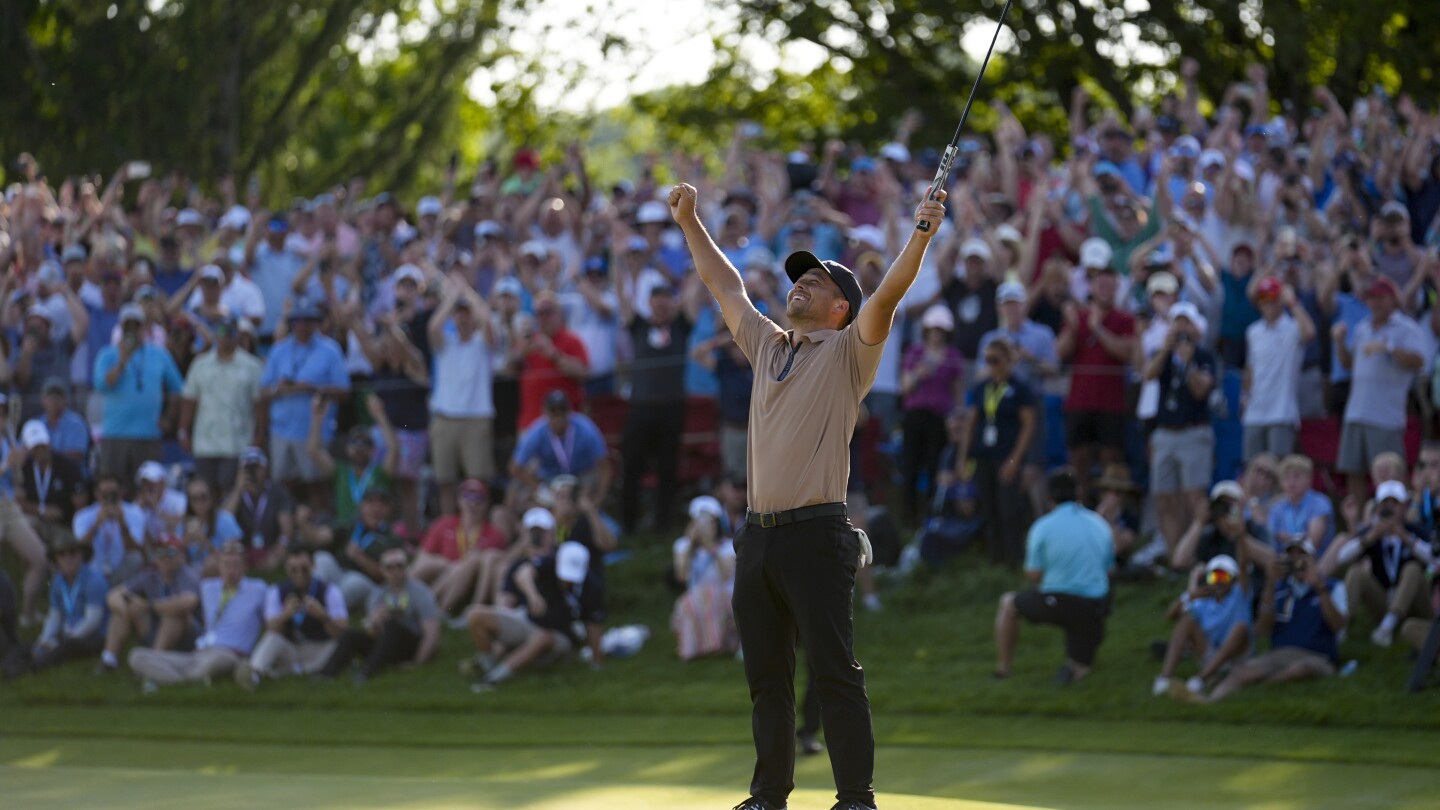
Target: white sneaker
1382	636
1196	684
1161	686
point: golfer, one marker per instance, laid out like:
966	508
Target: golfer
797	554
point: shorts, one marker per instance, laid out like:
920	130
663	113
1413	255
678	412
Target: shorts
290	462
414	444
733	449
123	457
1082	619
461	446
514	628
1360	444
1275	661
1276	439
1095	427
1181	460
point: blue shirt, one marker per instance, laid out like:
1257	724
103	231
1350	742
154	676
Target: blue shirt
1300	620
1073	547
97	337
70	434
134	404
234	624
1034	339
582	445
1288	520
71	600
1217	617
274	272
226	530
7	481
1350	311
109	544
319	363
701	381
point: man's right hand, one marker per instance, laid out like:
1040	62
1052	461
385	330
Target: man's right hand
682	203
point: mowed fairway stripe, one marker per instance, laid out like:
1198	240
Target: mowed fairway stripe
40	772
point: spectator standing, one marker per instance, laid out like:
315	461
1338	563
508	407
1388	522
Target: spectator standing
655	417
304	618
134	379
1386	560
562	443
1383	354
999	426
1068	558
300	367
362	466
217	414
970	296
932	384
45	351
401	380
1274	352
161	504
1035	364
1182	448
551	358
207	527
114	529
52	483
230	605
462	409
104	318
75	626
263	510
158	605
1098	341
402	625
592	309
273	267
69	435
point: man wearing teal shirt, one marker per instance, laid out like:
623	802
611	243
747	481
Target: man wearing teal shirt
1068	555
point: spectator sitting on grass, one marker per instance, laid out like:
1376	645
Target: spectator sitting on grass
1220	530
463	556
113	529
362	467
304	617
263	509
1301	512
402	625
1213	622
1117	506
1303	612
365	543
1261	482
230	605
207	527
75	626
1386	561
557	601
1068	558
705	562
51	483
158	604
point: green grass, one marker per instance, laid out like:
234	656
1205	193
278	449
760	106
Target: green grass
927	658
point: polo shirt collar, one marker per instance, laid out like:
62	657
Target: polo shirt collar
818	336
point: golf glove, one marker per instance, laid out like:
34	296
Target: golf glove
867	555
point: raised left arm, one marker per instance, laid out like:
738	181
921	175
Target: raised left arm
878	313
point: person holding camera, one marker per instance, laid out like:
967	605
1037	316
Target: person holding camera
114	529
1274	353
704	559
46	348
402	624
304	618
1386	561
1213	620
1182	448
264	510
157	604
135	380
1222	529
1303	611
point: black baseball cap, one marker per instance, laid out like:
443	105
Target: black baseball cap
800	262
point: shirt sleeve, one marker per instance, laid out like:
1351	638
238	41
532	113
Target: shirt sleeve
109	356
226	529
527	447
335	374
424	601
335	603
1035	549
191	388
273	608
755	331
864	359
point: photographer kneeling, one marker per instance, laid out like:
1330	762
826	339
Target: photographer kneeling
1387	560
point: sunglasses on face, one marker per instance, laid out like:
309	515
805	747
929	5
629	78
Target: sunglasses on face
164	553
394	566
1219	577
994	359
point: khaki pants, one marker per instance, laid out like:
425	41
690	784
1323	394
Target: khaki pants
461	448
276	656
1408	598
176	667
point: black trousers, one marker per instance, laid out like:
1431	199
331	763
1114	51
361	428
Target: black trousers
1004	507
1082	619
924	439
810	705
68	649
394	644
652	434
798	581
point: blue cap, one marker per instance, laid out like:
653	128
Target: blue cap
862	164
597	264
1105	167
1257	129
279	225
305	312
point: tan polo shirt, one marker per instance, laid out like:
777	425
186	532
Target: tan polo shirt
800	427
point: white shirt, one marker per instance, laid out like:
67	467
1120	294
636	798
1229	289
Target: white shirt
1151	341
241	296
639	289
462	376
1273	355
226	392
598	332
704	567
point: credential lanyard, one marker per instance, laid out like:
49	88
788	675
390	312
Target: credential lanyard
358	486
42	485
563	452
994	395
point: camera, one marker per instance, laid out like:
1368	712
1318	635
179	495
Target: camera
1222	508
1386	512
110	497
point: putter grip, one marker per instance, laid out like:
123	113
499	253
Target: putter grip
941	175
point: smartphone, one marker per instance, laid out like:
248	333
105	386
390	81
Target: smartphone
137	169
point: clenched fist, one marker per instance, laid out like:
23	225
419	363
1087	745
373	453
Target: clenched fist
682	203
932	212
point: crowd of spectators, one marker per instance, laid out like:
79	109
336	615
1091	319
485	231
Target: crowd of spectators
260	440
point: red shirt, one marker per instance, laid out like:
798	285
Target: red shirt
445	539
1097	381
540	375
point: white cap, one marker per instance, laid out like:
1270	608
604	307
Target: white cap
411	272
212	271
1391	491
534	248
705	505
189	216
152	471
975	247
652	211
1010	291
1162	282
868	234
1223	562
1189	312
938	316
1006	232
1096	252
237	218
488	227
538	517
428	207
34	434
895	151
572	562
1227	489
1244	171
1211	157
132	312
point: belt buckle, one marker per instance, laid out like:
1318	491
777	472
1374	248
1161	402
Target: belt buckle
769	520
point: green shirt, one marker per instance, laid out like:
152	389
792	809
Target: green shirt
350	486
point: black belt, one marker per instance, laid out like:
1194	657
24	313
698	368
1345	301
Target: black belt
769	520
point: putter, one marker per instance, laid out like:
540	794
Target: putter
948	159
